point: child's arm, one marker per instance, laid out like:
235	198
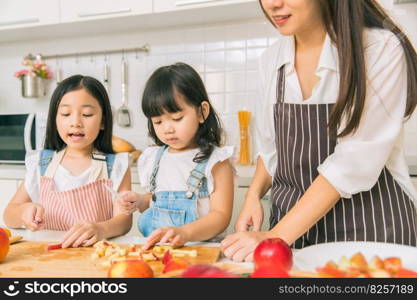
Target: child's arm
319	198
130	202
215	222
21	211
86	234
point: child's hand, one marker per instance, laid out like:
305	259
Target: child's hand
83	234
33	216
174	235
128	202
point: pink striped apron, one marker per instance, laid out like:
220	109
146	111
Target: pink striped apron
90	202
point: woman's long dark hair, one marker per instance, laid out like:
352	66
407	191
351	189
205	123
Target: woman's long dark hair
345	21
159	98
103	142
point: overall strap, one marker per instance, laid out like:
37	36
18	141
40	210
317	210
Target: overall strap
161	151
281	85
196	178
44	160
102	165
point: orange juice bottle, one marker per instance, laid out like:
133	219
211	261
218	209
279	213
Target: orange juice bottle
244	121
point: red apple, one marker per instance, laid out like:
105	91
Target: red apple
273	252
4	244
131	268
206	271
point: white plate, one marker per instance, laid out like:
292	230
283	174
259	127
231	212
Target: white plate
309	258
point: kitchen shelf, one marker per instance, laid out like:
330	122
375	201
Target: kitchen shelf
194	16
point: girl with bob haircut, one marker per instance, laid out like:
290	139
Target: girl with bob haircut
64	188
188	174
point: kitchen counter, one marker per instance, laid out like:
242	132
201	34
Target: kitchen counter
55	236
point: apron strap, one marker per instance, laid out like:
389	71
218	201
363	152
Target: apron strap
98	170
156	167
281	85
53	165
99	167
195	180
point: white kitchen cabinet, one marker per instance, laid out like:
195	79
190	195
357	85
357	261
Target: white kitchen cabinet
239	198
8	189
79	10
26	13
170	5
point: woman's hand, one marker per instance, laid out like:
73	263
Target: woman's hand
129	202
176	236
251	215
83	234
240	246
33	216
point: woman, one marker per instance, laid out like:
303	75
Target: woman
340	81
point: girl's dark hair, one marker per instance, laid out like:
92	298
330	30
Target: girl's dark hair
345	21
159	98
103	142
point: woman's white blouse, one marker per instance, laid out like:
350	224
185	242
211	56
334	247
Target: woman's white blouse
64	180
359	158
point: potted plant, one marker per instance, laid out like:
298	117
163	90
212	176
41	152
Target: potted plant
33	77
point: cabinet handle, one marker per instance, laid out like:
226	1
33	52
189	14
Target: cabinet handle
18	22
103	13
191	2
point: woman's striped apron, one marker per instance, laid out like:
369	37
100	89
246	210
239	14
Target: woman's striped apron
303	141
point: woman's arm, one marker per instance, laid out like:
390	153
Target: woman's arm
252	211
319	198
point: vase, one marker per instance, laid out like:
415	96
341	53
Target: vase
33	86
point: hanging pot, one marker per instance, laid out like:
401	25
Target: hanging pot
33	86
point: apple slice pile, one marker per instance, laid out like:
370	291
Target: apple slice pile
358	267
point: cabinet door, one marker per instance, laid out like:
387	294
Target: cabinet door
239	198
24	13
78	10
8	189
169	5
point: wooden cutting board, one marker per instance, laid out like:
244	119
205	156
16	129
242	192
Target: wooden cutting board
32	259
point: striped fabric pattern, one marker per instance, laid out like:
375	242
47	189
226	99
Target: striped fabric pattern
303	142
63	209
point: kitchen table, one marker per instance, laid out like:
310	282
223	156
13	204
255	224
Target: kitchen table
32	257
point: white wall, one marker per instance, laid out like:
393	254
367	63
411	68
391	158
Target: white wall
224	54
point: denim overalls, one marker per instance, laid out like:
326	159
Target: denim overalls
174	208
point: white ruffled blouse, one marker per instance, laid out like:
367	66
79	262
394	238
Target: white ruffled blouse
175	168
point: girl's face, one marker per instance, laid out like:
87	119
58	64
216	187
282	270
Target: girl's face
79	119
177	130
293	17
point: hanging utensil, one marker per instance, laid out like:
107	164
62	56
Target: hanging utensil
123	114
106	82
58	75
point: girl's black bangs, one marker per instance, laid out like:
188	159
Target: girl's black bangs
159	101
